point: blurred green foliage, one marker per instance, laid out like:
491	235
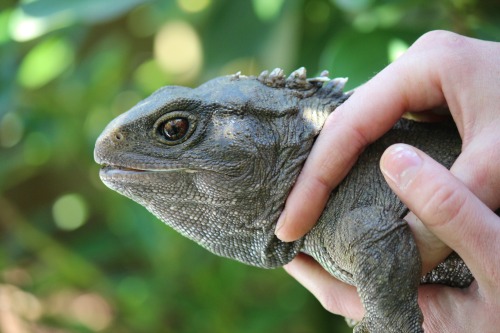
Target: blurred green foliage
77	257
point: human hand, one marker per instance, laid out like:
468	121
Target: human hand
457	217
440	69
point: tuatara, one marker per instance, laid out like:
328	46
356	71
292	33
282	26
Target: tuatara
217	162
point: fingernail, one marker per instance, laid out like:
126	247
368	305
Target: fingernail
281	222
400	163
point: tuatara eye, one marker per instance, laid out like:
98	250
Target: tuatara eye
176	129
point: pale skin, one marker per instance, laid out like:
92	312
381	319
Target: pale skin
451	210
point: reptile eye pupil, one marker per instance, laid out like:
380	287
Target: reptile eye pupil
175	129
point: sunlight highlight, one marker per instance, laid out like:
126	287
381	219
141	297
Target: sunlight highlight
178	50
24	27
396	48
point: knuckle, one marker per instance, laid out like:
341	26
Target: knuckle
449	51
444	205
440	39
353	128
323	184
483	179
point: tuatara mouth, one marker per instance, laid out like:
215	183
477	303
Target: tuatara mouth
110	169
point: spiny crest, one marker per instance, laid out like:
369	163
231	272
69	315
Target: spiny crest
298	81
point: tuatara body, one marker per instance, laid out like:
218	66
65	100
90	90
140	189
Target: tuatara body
217	162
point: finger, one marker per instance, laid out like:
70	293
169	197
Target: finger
478	166
447	208
470	80
308	197
412	83
334	295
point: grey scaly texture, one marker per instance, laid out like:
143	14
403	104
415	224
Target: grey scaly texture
217	162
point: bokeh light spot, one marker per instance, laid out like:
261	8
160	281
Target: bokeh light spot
388	16
11	130
92	310
19	302
193	6
24	27
396	48
70	211
46	61
267	9
178	50
366	22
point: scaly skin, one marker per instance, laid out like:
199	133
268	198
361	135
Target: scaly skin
217	162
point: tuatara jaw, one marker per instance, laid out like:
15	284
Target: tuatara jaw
112	171
116	169
110	167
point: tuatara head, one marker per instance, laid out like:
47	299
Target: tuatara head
216	162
